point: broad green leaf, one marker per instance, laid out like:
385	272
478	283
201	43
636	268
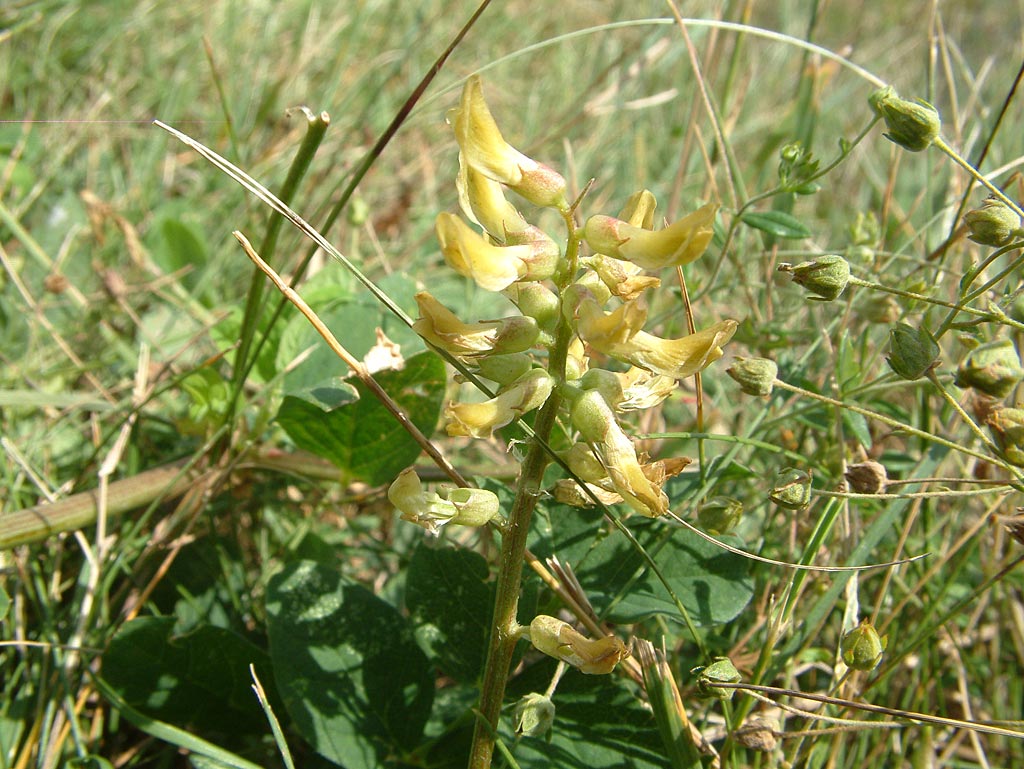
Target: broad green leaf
180	246
713	584
449	598
857	426
777	223
362	437
199	679
352	677
328	395
5	602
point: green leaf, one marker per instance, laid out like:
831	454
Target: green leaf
198	679
90	762
777	223
449	599
354	681
857	426
362	437
181	246
329	395
5	602
713	584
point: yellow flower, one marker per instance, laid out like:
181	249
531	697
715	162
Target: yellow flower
558	639
595	420
493	268
618	335
442	328
483	202
485	150
479	420
677	358
676	245
432	510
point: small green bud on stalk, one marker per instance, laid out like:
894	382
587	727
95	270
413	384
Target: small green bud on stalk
720	671
994	224
914	125
792	489
825	276
756	376
534	715
862	647
912	351
719	515
992	368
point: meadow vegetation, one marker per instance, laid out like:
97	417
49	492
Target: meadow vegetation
747	495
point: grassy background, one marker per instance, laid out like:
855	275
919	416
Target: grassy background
115	238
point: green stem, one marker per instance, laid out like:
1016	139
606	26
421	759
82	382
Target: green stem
316	128
899	426
513	544
955	157
955	307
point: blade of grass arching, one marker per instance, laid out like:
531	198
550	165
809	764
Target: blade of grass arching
316	128
357	176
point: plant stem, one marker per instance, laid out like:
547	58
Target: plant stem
513	544
955	157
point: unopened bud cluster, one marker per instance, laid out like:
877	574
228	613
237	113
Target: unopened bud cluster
600	298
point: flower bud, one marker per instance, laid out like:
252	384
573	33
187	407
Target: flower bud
994	224
1007	425
912	351
826	276
719	515
536	301
533	715
792	489
720	671
756	376
474	507
867	477
605	382
558	639
504	369
913	125
862	647
992	368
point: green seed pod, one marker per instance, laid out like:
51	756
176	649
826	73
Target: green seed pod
912	351
825	276
756	376
720	671
719	515
994	224
913	125
533	715
504	369
867	477
992	368
792	489
862	647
